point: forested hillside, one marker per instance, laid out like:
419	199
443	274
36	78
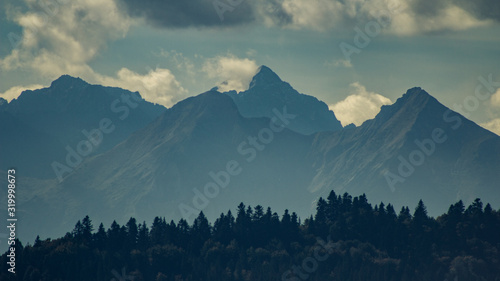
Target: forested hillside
347	239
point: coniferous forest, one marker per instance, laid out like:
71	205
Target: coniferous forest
347	239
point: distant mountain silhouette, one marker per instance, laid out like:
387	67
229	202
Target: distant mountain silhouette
206	154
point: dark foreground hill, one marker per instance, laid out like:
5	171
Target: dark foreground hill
347	239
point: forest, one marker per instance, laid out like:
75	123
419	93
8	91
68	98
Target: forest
346	239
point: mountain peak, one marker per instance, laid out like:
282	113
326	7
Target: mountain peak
414	103
268	92
265	76
415	97
416	92
67	81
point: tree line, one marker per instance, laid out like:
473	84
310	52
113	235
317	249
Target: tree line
369	243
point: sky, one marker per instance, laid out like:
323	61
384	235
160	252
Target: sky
355	55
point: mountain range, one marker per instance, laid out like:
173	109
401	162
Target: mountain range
267	145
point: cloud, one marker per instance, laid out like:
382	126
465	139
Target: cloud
359	106
445	17
339	63
493	125
495	98
231	72
63	36
480	9
15	91
199	13
177	59
273	13
315	14
112	18
403	17
158	85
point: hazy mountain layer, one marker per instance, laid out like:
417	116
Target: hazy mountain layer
203	154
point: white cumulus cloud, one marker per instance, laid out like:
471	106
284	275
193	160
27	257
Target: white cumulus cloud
231	72
493	125
65	36
398	16
359	106
158	85
495	98
15	91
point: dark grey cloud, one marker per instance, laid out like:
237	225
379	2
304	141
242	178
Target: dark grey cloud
227	13
187	13
273	10
429	8
480	9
